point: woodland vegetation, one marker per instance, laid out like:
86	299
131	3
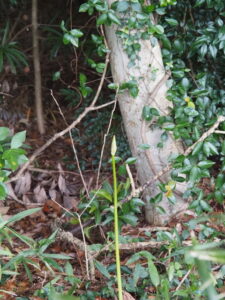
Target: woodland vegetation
112	150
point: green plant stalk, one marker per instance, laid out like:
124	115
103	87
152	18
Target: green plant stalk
116	223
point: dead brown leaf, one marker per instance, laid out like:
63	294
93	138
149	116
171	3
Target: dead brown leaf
40	194
126	296
23	184
62	185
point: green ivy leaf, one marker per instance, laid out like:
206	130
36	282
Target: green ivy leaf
4	133
219	181
76	33
122	170
122	6
112	17
82	78
112	86
171	21
104	194
205	206
213	50
195	174
56	75
84	7
129	219
102	19
197	148
205	164
219	197
159	29
136	6
134	91
131	160
185	83
69	39
18	140
146	113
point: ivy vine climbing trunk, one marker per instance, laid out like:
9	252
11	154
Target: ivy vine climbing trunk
37	68
151	78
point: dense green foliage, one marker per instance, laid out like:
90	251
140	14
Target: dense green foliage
193	49
11	155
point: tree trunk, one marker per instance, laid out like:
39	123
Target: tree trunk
151	78
37	69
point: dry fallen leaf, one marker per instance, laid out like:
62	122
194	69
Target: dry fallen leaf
40	194
62	185
126	296
4	210
23	184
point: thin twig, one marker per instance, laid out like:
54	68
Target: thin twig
133	190
183	279
220	131
104	140
38	170
73	145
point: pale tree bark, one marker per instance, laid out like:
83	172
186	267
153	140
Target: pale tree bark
37	69
152	92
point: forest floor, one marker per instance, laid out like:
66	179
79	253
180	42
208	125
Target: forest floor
50	185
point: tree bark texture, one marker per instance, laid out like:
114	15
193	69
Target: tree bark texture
37	68
151	78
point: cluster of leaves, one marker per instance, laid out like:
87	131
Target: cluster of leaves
194	36
101	205
11	155
9	52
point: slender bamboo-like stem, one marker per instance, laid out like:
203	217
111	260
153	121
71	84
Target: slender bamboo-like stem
37	69
116	223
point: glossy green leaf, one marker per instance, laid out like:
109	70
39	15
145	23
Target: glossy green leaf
220	181
76	33
159	29
18	139
205	164
171	21
197	148
185	83
195	174
134	91
84	7
219	197
131	160
104	194
56	75
4	133
154	275
129	219
122	6
102	19
113	18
